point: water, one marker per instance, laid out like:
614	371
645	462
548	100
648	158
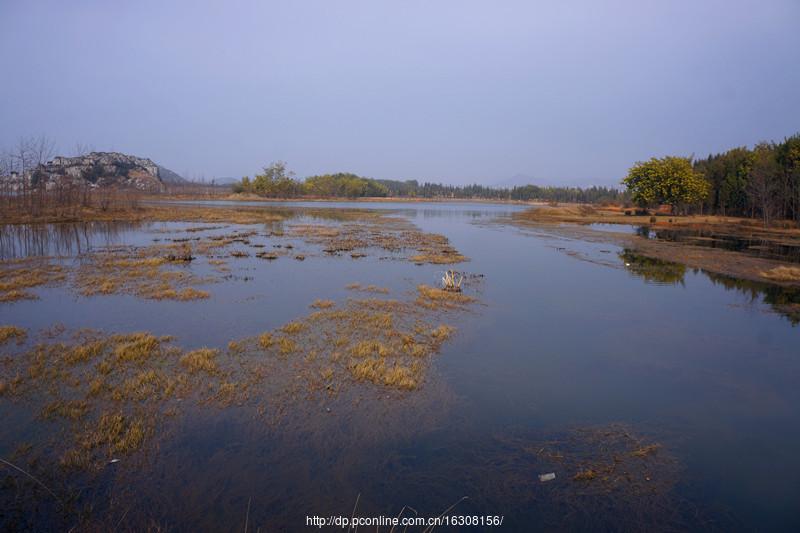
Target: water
757	246
568	335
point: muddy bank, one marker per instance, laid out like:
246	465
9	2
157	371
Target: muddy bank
576	222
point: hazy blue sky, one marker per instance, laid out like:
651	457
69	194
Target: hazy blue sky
565	91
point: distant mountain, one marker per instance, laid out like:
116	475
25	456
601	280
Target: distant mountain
225	181
518	180
168	176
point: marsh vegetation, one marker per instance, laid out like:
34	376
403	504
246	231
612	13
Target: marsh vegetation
202	340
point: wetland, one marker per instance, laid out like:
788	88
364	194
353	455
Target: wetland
206	365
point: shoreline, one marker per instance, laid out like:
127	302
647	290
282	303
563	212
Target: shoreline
717	260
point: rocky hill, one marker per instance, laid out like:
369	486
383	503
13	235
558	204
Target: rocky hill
105	169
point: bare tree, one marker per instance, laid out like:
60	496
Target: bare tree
82	149
762	189
43	149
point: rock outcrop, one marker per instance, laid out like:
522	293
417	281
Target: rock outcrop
104	169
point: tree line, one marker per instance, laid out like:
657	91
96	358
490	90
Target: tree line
760	182
277	182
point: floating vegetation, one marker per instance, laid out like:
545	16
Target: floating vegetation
184	254
110	393
595	478
369	288
143	272
203	359
323	304
293	328
372	230
12	332
18	276
433	298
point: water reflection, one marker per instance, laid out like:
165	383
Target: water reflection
653	270
753	245
35	240
783	300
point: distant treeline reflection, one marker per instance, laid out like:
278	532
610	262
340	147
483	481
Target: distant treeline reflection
33	240
783	300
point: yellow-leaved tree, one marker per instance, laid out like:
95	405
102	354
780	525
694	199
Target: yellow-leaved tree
668	180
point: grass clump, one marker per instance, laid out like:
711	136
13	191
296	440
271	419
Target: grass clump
369	288
442	333
165	292
585	475
293	328
783	273
16	277
85	352
433	298
265	340
287	346
117	433
143	272
12	332
323	304
71	410
201	360
137	347
646	451
376	370
16	295
369	348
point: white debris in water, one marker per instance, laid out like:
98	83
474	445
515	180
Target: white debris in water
547	477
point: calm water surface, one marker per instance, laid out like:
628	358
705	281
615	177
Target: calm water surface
568	334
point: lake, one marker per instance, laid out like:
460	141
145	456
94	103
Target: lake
660	397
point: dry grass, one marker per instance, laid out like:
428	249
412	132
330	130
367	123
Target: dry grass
72	410
143	272
433	298
287	346
136	347
369	348
646	451
585	475
442	332
369	288
376	370
17	277
367	230
293	328
265	340
150	212
452	280
782	273
113	391
12	332
85	352
201	360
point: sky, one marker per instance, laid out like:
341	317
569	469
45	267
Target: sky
556	92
